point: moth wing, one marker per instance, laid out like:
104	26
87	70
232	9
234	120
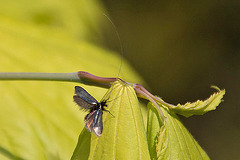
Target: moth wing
82	103
89	121
97	123
83	94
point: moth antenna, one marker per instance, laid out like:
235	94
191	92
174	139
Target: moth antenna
120	42
121	63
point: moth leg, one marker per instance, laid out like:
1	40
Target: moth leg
109	112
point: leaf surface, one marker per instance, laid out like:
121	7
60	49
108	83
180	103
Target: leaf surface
171	140
81	19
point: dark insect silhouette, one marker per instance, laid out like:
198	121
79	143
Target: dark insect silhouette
88	103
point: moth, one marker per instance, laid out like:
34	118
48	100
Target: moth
89	103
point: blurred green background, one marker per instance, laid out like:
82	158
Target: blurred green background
181	48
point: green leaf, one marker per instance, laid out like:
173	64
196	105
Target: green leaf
82	19
82	149
38	120
200	107
123	134
162	143
171	140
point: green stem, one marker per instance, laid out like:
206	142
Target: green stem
81	77
140	87
69	77
141	93
85	78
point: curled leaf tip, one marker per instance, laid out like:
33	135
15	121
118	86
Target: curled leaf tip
215	87
200	107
